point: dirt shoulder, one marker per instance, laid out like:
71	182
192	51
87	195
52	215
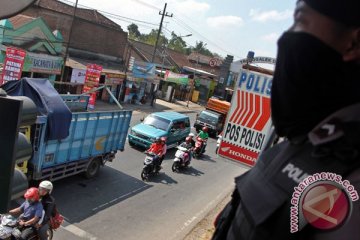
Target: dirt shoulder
205	228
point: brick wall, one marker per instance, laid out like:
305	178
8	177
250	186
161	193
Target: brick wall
86	35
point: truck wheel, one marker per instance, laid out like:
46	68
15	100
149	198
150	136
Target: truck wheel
93	168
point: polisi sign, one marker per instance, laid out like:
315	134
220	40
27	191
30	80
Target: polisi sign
248	123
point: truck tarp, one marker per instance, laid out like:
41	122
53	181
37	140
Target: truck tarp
48	102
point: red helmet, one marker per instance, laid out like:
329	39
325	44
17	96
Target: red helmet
32	193
205	129
188	139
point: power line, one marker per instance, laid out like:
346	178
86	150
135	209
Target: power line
113	15
184	25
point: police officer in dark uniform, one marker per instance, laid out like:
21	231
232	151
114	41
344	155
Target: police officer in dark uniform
315	102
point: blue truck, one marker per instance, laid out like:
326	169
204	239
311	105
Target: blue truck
82	142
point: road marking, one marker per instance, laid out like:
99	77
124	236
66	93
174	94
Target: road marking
79	232
188	222
118	198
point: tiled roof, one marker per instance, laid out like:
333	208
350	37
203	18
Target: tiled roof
172	57
87	14
20	20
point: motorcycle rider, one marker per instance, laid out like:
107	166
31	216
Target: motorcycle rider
163	142
191	135
48	202
318	57
187	144
203	134
157	148
31	212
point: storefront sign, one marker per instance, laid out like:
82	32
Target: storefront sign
92	78
42	63
268	60
114	79
143	70
13	64
176	78
78	76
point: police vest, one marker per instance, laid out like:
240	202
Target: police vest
260	208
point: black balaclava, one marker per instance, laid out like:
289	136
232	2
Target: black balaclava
311	81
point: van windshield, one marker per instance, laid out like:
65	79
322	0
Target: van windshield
208	117
157	122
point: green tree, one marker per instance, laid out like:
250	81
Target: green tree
177	43
134	32
200	47
151	38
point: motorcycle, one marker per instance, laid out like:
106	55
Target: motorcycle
199	147
218	144
182	159
10	229
149	166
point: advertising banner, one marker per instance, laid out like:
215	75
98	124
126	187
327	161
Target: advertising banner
114	79
42	63
92	78
143	70
78	76
176	78
13	64
248	122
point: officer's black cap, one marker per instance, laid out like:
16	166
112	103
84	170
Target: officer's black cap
346	12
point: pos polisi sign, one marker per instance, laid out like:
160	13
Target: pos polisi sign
248	123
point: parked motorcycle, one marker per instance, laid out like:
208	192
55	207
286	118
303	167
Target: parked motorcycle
149	166
218	144
199	147
182	159
10	229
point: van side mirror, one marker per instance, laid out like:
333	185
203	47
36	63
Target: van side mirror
141	119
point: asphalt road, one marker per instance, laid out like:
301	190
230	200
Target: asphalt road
118	205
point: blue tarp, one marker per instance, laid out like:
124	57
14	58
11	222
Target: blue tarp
48	102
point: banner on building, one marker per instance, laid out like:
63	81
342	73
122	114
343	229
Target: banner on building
42	63
13	64
114	78
143	70
78	76
92	77
248	123
176	78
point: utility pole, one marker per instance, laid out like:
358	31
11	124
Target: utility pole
68	42
163	14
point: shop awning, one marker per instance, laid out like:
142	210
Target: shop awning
81	64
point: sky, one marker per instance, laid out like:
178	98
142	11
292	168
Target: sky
231	27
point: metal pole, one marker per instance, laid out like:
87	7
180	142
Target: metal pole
159	32
68	43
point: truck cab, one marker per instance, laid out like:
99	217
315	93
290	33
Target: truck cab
213	116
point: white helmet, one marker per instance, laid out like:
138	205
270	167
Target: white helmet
191	135
46	185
